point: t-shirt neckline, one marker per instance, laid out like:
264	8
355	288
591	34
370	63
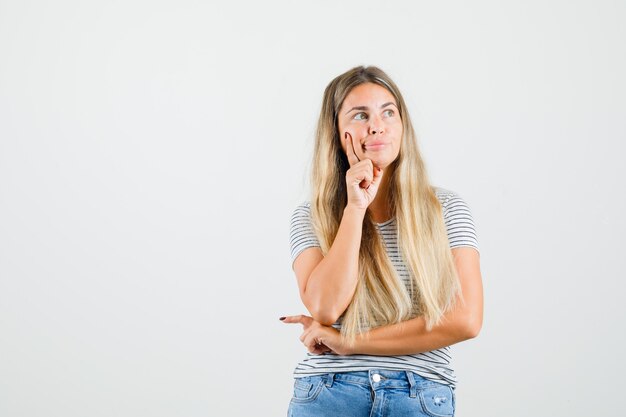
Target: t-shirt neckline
385	223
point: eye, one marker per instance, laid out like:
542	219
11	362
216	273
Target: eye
356	116
391	112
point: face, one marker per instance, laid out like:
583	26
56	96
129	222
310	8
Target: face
370	115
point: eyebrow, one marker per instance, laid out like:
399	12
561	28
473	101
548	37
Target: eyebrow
367	108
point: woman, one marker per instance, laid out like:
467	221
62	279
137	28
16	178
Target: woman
387	265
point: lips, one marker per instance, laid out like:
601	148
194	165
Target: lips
377	144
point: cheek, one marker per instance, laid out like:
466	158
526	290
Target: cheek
342	138
398	142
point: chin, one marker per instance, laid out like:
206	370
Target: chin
381	163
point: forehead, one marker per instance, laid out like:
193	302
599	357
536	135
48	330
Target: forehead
368	94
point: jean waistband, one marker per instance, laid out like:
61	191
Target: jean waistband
381	378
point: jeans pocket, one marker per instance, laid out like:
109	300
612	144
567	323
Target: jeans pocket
437	400
307	389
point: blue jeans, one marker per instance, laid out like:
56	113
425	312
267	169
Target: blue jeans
373	393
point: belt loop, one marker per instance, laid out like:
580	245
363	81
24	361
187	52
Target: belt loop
330	377
412	383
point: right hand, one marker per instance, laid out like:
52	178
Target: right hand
362	178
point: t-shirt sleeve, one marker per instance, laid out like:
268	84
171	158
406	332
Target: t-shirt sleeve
301	235
459	222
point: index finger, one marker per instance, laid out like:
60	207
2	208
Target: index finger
302	319
352	158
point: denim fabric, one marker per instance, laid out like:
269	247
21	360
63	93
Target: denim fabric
373	393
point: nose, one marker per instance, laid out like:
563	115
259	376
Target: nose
376	126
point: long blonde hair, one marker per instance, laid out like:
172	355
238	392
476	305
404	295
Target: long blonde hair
381	297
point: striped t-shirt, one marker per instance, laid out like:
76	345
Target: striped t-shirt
434	365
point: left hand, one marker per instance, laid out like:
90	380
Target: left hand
318	338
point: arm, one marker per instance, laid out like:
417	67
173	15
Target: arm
327	283
461	323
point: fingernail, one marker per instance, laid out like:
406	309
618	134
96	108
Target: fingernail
282	318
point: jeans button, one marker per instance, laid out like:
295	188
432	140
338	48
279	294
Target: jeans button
376	378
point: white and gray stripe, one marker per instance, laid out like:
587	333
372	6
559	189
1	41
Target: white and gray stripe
434	365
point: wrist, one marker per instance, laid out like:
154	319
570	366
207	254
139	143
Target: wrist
356	346
356	212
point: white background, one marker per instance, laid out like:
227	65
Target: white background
152	152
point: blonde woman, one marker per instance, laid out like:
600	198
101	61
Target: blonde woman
386	264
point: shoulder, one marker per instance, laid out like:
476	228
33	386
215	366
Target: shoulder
458	218
304	205
301	234
302	210
301	216
454	205
447	197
